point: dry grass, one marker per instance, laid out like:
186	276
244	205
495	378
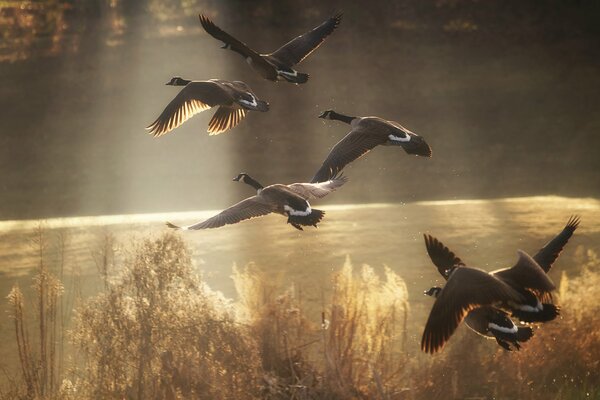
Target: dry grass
157	331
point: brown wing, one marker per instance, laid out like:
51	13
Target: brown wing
526	274
441	256
352	146
318	190
224	119
250	208
466	289
550	252
192	99
299	48
234	44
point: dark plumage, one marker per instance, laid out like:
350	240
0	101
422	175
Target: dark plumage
234	99
288	200
277	66
366	134
527	278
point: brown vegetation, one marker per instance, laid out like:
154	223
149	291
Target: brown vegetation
159	332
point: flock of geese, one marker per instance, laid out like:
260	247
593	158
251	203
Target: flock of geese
485	301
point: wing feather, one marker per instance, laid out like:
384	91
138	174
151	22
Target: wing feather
441	256
318	190
195	97
300	47
550	252
352	146
249	208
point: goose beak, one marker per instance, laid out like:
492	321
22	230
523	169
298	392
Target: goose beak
236	179
169	83
323	114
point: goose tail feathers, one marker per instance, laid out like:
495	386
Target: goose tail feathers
311	219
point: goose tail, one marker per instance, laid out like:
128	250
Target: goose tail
524	333
548	313
312	219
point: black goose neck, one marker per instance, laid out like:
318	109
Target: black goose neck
341	117
252	182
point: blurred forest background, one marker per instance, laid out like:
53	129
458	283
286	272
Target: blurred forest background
506	93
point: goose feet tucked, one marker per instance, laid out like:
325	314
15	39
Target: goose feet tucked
506	339
312	219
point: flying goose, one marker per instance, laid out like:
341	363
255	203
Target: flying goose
233	98
288	200
528	278
277	66
466	289
487	321
366	134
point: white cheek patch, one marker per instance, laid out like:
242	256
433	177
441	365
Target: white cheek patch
298	213
399	139
249	60
293	73
504	329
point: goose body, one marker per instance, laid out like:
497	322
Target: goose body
234	99
276	66
527	278
367	133
288	200
488	321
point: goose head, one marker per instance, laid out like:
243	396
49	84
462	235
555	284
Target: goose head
177	81
327	114
434	291
241	177
248	180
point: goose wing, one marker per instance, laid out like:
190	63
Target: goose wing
300	47
441	256
224	119
251	207
352	146
234	44
192	99
466	289
550	252
526	274
318	190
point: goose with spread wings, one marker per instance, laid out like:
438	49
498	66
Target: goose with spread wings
277	66
366	134
288	200
527	278
488	321
234	99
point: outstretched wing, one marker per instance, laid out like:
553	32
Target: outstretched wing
318	190
467	289
527	274
231	42
250	208
550	252
224	119
299	48
352	146
441	256
192	99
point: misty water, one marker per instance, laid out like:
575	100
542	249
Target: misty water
513	125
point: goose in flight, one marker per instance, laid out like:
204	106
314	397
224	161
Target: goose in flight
277	66
527	278
290	201
365	135
234	99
